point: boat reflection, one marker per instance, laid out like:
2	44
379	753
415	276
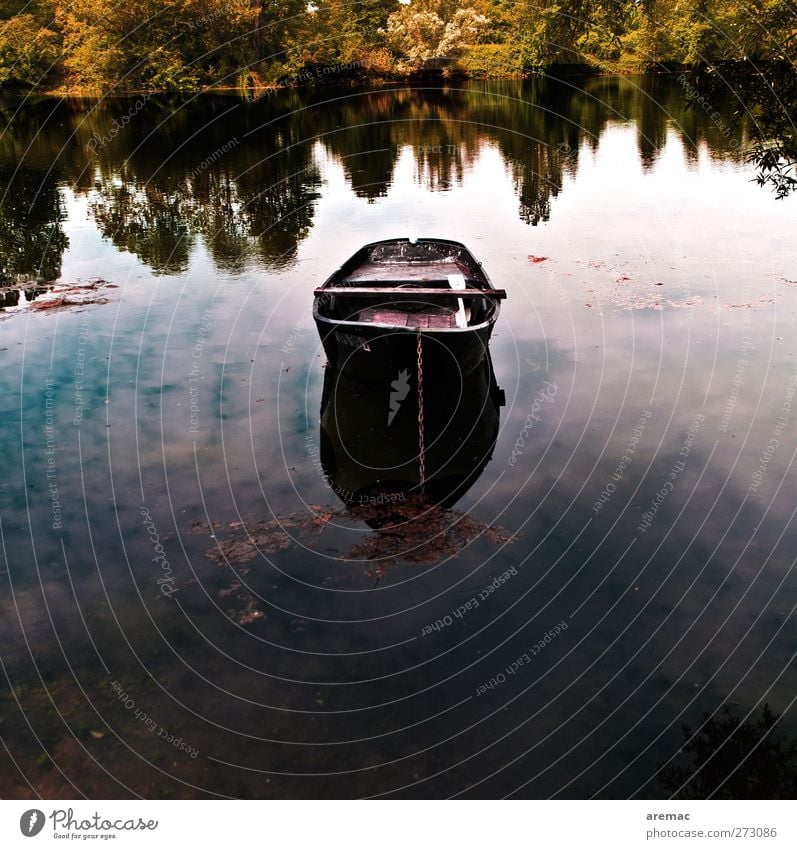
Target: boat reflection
379	446
402	491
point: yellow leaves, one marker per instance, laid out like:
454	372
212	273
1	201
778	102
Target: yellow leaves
27	50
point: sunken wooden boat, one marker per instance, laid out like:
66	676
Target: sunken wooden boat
392	296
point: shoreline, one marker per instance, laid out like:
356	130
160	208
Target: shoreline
314	80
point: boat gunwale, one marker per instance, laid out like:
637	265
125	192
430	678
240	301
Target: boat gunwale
406	328
354	262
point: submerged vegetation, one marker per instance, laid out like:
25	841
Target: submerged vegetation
100	47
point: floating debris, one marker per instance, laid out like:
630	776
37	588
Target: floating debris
249	613
420	533
74	295
760	301
412	531
627	292
778	277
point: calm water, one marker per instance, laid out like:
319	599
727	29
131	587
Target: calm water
189	609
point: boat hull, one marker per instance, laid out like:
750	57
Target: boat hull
407	288
375	350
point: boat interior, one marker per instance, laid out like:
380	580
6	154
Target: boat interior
434	269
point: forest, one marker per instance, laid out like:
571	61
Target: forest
97	47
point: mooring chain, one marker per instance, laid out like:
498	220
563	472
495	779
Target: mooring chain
421	446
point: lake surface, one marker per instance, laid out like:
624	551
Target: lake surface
189	608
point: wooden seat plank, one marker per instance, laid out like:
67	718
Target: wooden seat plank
410	294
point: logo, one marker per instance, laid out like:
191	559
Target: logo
31	822
401	388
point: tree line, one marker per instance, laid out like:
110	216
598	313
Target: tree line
95	46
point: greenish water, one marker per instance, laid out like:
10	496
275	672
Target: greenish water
175	564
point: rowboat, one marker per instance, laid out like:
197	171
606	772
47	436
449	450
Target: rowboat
399	299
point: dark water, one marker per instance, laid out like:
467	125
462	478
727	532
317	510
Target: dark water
189	609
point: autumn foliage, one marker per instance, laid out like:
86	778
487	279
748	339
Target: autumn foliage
98	46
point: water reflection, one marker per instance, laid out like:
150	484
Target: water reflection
32	240
733	757
246	190
369	455
244	177
371	460
299	655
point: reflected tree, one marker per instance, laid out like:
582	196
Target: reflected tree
147	220
243	176
651	123
765	95
538	128
771	97
364	140
445	129
278	189
196	177
32	240
728	758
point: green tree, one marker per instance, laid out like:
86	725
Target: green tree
545	32
350	30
